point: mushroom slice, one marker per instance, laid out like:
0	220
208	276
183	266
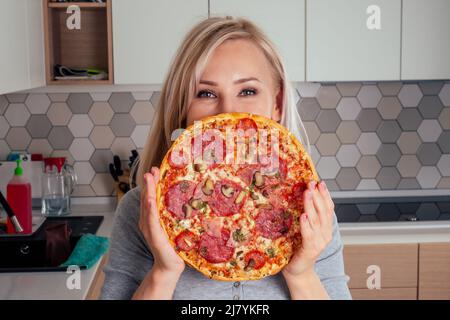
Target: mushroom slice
208	187
240	197
258	179
227	191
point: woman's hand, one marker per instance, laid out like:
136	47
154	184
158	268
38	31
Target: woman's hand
165	257
316	225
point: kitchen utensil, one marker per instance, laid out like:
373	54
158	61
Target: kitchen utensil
10	213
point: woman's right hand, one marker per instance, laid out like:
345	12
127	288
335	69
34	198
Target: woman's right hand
166	260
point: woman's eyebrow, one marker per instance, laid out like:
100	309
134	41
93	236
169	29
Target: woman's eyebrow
212	83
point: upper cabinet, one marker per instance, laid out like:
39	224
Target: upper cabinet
283	22
351	40
426	39
146	35
22	54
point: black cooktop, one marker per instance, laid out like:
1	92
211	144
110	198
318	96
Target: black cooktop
427	208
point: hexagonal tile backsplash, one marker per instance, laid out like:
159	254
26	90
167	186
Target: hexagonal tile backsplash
364	136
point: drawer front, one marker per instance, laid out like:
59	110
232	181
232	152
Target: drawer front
434	271
397	264
384	294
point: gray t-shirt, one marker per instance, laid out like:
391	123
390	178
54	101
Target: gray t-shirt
130	260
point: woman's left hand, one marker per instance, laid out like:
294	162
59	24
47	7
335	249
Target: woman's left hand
316	225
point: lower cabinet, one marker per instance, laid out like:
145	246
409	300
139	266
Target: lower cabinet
434	271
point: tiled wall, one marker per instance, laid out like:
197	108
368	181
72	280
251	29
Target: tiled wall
365	136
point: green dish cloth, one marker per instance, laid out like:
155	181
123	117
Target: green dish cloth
88	250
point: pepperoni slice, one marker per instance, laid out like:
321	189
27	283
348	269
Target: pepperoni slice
246	173
254	259
296	196
225	205
248	126
177	195
277	168
186	240
211	148
273	223
215	249
275	192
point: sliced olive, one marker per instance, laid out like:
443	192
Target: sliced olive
227	191
240	197
187	209
196	203
200	167
258	179
208	187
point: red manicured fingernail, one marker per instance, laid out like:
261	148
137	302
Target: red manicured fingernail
312	184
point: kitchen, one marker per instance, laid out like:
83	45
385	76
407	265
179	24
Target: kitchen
371	79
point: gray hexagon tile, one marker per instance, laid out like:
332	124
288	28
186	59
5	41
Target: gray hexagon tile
328	97
100	160
139	135
101	137
389	131
81	149
444	118
431	87
122	124
100	96
388	178
58	97
331	185
391	88
83	190
444	95
155	98
4	127
408	184
410	95
368	120
348	155
328	144
121	102
444	141
388	154
409	119
368	184
428	177
328	120
3	104
16	97
312	131
369	96
142	96
40	146
368	166
348	89
64	153
444	165
444	183
101	113
328	168
409	142
17	114
142	112
4	150
103	184
429	154
348	132
314	153
348	108
18	138
122	147
429	130
305	89
408	166
37	103
368	143
60	138
430	107
38	126
59	114
389	108
80	125
79	103
308	108
348	178
84	171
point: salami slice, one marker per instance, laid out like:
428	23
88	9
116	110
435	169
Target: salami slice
226	199
215	249
296	196
273	223
186	240
246	172
255	259
177	196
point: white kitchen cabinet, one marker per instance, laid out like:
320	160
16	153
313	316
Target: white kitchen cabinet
351	40
146	35
282	21
425	39
22	45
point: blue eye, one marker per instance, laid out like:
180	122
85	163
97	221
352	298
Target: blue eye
248	92
205	94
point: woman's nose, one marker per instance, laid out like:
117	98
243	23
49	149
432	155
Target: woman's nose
227	105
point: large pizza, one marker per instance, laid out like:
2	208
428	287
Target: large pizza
230	195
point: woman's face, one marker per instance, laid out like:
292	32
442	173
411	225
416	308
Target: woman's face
237	78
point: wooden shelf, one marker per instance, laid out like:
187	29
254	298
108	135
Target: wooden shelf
87	47
80	4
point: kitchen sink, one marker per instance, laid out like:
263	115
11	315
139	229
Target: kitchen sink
19	253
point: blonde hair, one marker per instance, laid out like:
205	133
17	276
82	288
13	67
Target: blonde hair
183	77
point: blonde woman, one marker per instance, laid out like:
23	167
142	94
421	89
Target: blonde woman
223	65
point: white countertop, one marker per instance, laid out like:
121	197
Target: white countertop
52	285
